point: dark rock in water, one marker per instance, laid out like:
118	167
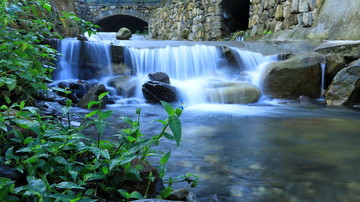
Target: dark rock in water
155	91
291	78
78	90
12	174
345	88
82	37
159	76
124	85
304	99
50	96
92	95
123	34
87	72
179	195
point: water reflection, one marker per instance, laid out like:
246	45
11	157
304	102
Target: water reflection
264	152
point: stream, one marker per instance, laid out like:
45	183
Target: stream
264	151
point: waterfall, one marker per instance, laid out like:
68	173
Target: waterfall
195	69
83	60
322	89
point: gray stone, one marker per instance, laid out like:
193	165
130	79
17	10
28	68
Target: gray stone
123	34
279	15
345	88
303	6
159	76
232	92
92	95
295	6
291	78
125	85
307	19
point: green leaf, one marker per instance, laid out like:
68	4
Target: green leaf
166	192
68	185
105	153
105	170
102	95
127	120
165	158
61	160
178	112
136	195
176	129
105	114
124	193
9	153
73	174
91	113
5	186
169	109
121	161
47	7
36	185
93	176
91	103
140	145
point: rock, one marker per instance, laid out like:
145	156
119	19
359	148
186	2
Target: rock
345	88
179	195
78	90
291	78
82	37
155	91
123	34
304	100
92	95
334	63
159	76
124	85
232	92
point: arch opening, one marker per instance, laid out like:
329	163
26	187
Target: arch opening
236	14
115	22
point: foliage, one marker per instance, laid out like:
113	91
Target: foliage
267	31
62	164
25	63
238	34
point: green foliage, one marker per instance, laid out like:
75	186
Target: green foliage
267	31
61	163
25	63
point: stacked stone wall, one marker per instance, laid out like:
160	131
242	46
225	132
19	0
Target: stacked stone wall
190	20
276	15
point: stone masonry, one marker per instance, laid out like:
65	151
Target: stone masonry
190	20
276	15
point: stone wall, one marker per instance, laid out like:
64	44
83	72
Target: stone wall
70	29
276	15
191	20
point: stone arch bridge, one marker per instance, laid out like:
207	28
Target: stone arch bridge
111	15
168	19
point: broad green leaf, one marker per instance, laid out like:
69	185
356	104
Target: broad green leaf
178	112
91	113
176	129
136	195
105	114
61	160
35	127
73	174
96	151
28	140
35	158
165	158
91	103
140	145
6	185
169	109
36	185
105	170
68	185
93	176
9	153
121	161
105	153
102	95
169	136
47	7
127	119
124	193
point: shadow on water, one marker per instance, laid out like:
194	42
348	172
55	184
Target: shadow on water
261	152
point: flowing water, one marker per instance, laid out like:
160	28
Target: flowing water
257	152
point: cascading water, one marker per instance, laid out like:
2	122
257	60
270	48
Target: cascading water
322	89
195	69
83	60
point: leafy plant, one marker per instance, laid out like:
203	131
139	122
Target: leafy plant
61	163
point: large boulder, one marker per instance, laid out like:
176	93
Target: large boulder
124	85
155	91
291	78
232	92
345	88
92	95
159	76
123	34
